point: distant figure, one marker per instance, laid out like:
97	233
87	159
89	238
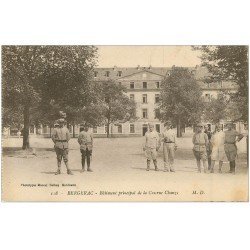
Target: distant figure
85	139
169	147
152	146
200	141
218	152
61	138
230	145
209	148
19	134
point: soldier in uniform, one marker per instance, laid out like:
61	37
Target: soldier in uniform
85	139
152	146
209	148
200	141
218	152
169	147
231	137
61	138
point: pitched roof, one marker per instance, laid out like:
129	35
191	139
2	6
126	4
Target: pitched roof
199	73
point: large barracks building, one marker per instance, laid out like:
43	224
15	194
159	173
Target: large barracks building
143	86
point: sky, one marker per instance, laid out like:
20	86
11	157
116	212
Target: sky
156	56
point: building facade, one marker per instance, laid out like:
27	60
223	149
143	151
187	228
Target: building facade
143	86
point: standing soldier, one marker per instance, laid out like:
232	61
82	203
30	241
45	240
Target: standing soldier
61	138
200	141
169	147
85	139
218	152
230	145
152	146
207	131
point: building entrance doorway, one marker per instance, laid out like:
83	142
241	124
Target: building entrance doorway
144	129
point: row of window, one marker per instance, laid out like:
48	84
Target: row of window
145	98
107	73
131	128
145	113
144	85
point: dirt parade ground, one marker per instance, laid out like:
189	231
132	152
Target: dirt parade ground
119	174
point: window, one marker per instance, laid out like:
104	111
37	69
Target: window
119	73
144	85
106	128
95	74
107	73
158	128
119	128
144	75
132	85
157	85
132	128
132	97
157	113
95	130
157	98
145	113
144	98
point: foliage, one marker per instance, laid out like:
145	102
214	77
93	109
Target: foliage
221	108
180	99
115	106
41	80
229	63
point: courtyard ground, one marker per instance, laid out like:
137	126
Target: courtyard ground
119	166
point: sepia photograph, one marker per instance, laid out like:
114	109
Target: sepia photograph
125	123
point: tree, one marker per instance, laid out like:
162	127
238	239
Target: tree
180	99
116	106
22	68
229	63
221	108
44	78
68	81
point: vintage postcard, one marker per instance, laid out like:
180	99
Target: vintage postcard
124	123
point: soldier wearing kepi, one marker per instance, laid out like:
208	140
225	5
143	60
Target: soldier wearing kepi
231	137
85	139
200	141
169	147
151	146
61	138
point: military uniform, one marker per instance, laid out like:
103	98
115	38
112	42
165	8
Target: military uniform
209	147
218	152
169	146
85	139
230	146
151	147
61	137
200	141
